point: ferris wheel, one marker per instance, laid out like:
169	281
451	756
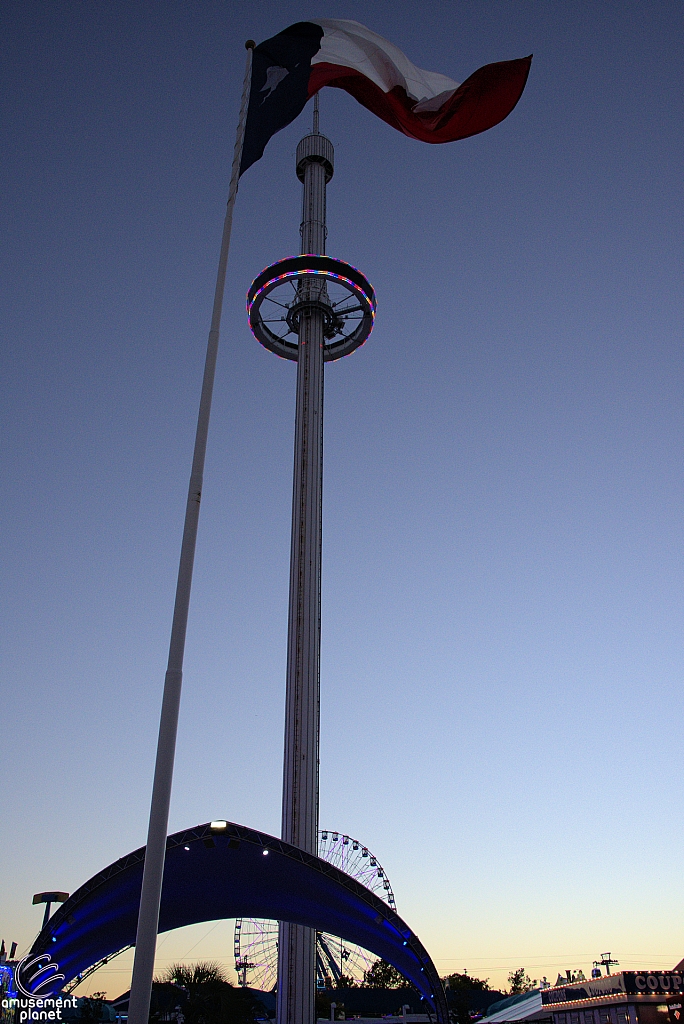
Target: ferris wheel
256	941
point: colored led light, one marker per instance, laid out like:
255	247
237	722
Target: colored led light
293	269
292	274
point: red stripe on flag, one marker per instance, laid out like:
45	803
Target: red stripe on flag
482	101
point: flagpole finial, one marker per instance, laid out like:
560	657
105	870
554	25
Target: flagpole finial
250	44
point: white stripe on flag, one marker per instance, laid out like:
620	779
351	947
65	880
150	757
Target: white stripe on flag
352	45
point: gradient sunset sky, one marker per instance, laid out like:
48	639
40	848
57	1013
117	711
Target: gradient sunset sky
501	689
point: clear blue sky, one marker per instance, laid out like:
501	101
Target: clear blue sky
502	601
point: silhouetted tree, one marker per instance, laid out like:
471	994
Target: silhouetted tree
91	1007
519	982
383	975
346	981
207	997
465	981
460	985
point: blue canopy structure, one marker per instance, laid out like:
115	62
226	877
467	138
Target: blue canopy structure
222	870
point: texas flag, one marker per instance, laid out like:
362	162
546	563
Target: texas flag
292	66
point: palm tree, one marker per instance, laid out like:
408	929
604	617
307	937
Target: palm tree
209	998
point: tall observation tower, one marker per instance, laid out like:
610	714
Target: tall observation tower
313	309
328	307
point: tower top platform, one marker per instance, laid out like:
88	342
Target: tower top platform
315	149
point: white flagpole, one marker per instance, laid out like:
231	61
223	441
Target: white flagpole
150	896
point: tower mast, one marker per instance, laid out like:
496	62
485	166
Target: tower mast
297	944
330	307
